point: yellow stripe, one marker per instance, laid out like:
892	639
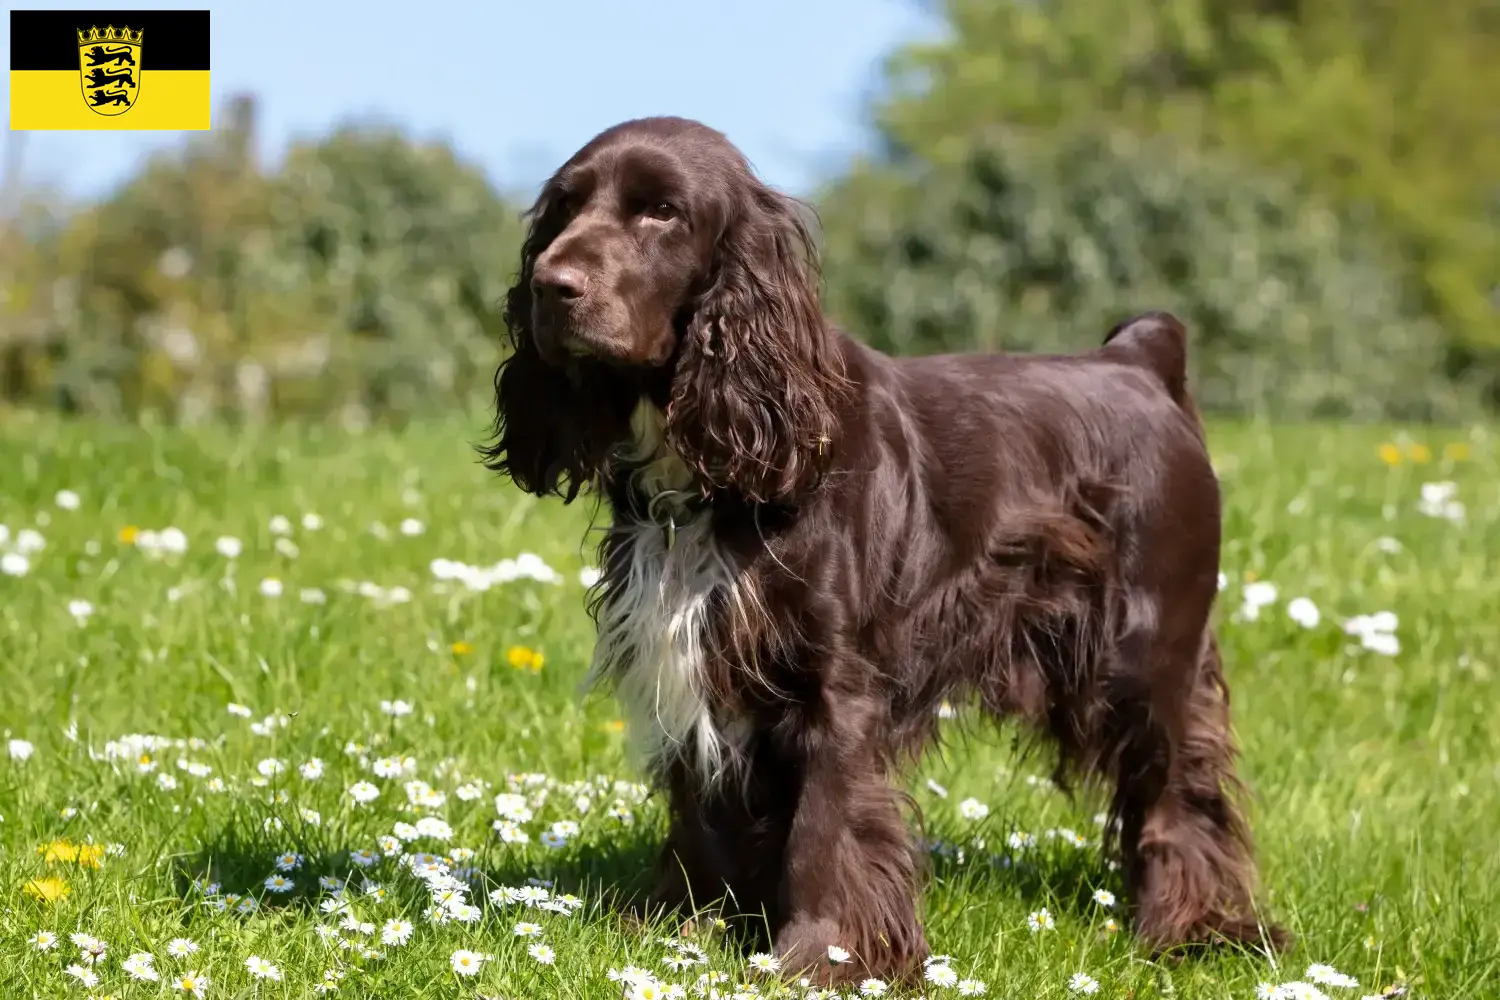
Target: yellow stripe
53	99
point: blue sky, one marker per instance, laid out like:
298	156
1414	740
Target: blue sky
517	86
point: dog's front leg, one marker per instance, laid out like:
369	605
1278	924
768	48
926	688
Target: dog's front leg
697	861
848	888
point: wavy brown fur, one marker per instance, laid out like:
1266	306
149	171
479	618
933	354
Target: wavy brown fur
1039	533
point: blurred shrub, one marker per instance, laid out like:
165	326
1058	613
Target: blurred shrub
1042	243
1384	109
360	278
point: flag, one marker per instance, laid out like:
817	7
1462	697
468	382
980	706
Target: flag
109	69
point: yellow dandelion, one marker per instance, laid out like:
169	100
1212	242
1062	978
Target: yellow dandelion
87	855
128	534
1419	453
49	889
58	850
1456	451
522	658
613	726
1390	454
461	648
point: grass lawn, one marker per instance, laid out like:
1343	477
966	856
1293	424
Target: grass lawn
255	686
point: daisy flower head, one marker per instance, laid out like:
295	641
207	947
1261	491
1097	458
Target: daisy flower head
288	862
1327	975
760	962
837	955
973	809
1299	991
1304	612
1104	898
279	884
542	953
466	913
1082	983
466	963
1041	920
872	988
363	792
140	966
941	974
43	940
524	929
92	949
262	968
84	975
971	988
396	932
193	983
181	947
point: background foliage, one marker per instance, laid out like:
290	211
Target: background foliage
358	278
1314	184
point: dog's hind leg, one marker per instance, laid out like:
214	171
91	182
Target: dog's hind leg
1185	843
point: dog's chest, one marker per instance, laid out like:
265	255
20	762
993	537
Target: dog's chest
664	586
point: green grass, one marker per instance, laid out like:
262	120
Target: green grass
1375	777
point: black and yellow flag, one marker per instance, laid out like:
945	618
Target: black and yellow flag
109	69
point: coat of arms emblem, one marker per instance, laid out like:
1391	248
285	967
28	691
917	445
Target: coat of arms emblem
109	63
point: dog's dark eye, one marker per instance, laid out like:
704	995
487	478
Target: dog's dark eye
661	212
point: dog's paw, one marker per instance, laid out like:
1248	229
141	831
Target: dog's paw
811	948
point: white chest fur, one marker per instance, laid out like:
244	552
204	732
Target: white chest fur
653	624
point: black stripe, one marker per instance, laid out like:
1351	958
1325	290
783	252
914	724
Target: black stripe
48	39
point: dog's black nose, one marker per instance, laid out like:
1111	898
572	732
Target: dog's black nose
559	282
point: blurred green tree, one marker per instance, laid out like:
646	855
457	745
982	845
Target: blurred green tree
1041	241
1388	109
361	277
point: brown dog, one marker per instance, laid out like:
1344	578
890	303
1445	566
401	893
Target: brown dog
814	545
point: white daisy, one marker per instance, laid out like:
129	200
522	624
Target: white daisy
1085	984
260	968
940	974
193	983
466	963
139	966
1041	920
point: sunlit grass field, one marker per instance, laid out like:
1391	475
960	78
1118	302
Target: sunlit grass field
291	711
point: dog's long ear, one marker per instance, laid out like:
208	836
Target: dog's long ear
553	427
759	379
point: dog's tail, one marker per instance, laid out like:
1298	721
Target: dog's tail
1157	342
